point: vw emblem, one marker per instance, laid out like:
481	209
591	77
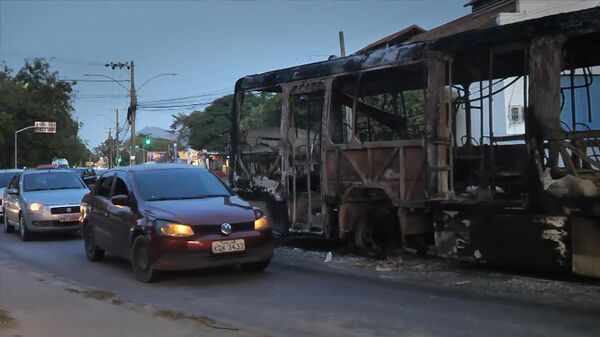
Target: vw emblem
68	209
226	228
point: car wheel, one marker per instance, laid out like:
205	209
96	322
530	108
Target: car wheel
255	267
140	261
7	227
92	251
24	233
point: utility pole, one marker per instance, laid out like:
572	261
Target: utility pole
132	90
342	45
132	107
117	131
132	98
110	149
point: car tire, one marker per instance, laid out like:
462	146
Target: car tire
24	233
92	252
8	228
140	261
255	267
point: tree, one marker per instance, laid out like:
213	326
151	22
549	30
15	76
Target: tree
35	93
209	129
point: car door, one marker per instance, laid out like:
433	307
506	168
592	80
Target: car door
11	202
121	219
99	213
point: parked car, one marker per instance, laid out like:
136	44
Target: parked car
87	174
61	163
172	217
5	178
43	201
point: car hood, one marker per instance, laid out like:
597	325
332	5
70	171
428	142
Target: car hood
56	197
209	211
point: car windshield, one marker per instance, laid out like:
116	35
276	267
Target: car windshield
5	178
182	184
51	181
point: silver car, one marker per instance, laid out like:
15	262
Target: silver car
5	178
43	201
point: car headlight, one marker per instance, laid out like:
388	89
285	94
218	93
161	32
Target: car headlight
37	207
172	229
261	223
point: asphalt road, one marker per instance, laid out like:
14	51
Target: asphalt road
297	300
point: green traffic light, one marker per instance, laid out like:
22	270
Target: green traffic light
147	141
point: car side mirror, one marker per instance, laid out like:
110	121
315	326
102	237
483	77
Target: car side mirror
120	200
12	191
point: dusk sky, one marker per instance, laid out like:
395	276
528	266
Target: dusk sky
208	44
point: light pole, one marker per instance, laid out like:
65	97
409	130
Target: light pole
117	132
131	113
16	148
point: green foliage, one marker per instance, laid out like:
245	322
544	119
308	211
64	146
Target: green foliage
410	105
262	110
34	93
209	129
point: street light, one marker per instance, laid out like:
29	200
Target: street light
16	147
132	91
155	76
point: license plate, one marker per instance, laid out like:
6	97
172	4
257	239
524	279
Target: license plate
219	247
69	217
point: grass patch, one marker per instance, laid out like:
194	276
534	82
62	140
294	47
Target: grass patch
7	321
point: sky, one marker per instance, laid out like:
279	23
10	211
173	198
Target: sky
209	45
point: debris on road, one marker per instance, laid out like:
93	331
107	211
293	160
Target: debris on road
328	258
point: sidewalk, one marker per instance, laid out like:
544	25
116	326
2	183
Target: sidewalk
35	305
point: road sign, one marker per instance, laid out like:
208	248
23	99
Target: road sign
131	157
45	127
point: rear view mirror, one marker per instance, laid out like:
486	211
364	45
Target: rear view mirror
120	200
12	191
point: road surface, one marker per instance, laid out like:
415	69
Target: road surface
298	296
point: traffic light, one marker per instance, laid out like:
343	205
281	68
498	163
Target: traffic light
148	141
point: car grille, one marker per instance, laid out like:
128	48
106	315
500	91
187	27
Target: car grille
63	210
55	223
216	229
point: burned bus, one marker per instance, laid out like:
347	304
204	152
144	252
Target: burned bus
482	146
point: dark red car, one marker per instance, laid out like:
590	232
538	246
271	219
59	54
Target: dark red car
172	217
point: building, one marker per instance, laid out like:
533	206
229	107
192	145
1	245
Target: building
510	93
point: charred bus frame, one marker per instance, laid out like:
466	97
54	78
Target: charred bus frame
352	159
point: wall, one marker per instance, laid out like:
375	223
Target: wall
533	9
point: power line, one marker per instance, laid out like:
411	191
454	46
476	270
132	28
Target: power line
185	98
56	59
352	38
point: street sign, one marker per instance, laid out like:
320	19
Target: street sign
131	157
45	127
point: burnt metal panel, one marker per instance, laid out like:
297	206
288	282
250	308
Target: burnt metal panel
389	57
488	233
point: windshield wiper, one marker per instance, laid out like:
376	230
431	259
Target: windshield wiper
210	196
64	188
193	197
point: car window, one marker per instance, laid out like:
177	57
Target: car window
14	183
182	183
51	181
5	178
104	184
120	187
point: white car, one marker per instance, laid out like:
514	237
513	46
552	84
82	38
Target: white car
5	178
61	163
